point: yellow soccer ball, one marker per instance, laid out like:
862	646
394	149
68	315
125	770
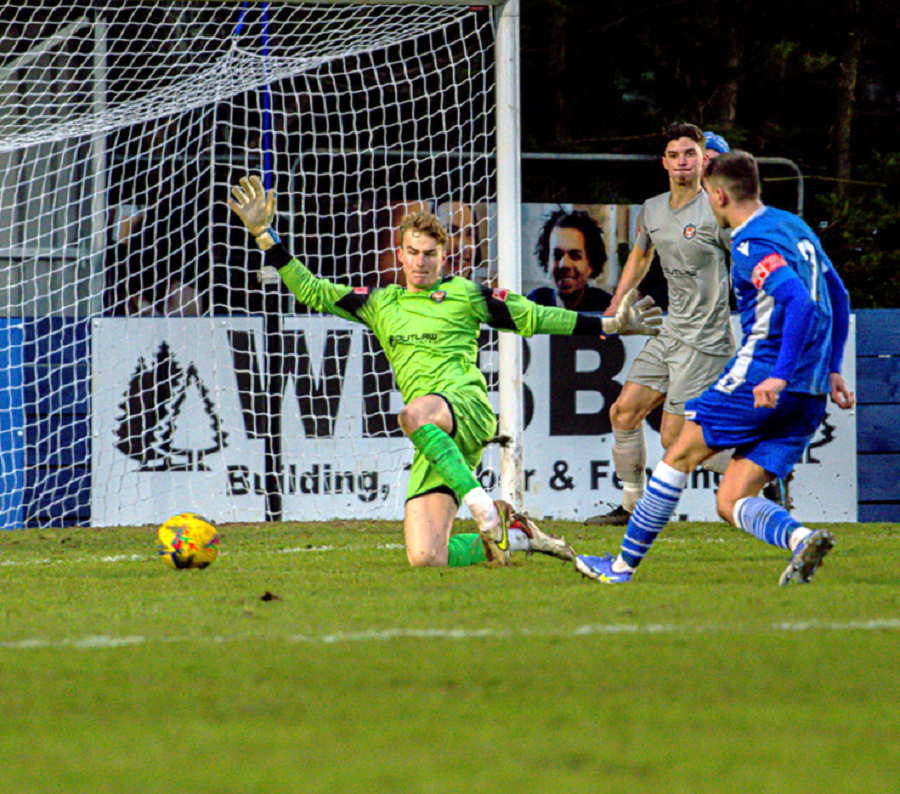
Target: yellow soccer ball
188	541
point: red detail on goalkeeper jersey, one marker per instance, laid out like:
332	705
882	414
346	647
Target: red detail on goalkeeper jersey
765	268
500	294
360	290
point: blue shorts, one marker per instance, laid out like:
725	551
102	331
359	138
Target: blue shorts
773	438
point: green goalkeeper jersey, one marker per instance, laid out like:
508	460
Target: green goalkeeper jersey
430	337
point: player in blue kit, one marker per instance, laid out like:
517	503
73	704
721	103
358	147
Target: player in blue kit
795	315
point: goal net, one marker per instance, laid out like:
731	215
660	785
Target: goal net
149	363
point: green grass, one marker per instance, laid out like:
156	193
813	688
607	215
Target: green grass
121	675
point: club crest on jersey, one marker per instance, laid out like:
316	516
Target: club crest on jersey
765	268
500	295
689	231
438	297
360	290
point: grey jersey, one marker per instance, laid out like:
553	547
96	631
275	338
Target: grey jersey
692	250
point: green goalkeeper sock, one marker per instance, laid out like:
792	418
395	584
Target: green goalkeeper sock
464	550
440	451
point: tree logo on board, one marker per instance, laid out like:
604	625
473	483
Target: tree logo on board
167	420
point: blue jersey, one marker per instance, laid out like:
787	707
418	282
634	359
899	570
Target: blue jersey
768	250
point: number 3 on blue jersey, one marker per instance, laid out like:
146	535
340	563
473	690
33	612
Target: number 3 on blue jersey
808	252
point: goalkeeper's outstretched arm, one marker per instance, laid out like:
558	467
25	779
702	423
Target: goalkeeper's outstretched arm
507	311
256	208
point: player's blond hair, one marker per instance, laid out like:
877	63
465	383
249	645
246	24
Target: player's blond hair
423	222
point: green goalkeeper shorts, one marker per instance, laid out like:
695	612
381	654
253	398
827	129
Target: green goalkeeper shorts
473	424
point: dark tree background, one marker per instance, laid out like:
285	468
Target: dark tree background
818	83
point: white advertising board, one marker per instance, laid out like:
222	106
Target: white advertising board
327	399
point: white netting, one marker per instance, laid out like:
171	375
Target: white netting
147	364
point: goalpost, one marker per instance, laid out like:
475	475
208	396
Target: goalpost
149	363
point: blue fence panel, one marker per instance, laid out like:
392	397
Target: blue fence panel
64	389
878	378
880	331
879	478
878	428
58	497
58	421
878	414
12	423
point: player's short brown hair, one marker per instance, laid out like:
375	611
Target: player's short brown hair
739	171
423	222
680	130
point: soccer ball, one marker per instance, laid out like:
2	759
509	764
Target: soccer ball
188	541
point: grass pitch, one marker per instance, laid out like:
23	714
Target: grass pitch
359	674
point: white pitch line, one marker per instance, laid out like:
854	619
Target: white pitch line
102	641
74	560
10	563
225	553
142	557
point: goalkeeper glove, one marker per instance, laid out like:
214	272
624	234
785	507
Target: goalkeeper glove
634	317
256	209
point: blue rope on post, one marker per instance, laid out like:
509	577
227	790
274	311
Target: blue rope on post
267	104
267	118
240	24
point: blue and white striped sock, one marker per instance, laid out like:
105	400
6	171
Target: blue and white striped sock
652	513
763	519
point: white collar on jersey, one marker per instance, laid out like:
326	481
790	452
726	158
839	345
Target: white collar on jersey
756	214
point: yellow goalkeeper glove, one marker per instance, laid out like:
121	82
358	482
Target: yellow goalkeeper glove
256	209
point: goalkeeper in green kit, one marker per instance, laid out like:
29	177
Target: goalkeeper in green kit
429	331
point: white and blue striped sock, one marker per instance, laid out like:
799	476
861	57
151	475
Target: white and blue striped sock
652	513
763	519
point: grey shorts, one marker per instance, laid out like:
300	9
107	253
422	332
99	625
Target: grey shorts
675	369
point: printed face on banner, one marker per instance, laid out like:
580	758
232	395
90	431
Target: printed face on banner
569	263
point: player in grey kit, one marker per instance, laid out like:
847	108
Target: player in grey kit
697	341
